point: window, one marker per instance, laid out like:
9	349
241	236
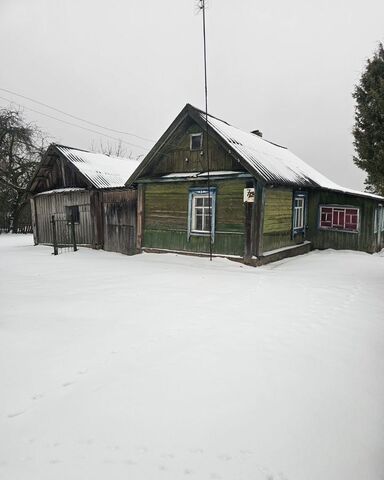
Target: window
196	141
378	223
339	218
72	213
202	211
298	212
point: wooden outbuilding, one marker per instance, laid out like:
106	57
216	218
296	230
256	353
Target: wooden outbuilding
255	200
89	189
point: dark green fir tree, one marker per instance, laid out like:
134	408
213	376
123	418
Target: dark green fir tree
368	130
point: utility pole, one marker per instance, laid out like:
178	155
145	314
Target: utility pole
202	7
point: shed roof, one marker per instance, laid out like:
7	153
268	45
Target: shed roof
102	171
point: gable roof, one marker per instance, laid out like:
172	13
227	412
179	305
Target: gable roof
267	161
101	170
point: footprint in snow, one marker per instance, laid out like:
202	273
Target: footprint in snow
168	455
37	396
225	457
16	414
246	452
197	450
67	384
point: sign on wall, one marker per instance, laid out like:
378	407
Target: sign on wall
249	195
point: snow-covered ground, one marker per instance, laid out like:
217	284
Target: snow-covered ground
170	367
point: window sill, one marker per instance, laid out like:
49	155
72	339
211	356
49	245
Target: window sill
201	234
330	229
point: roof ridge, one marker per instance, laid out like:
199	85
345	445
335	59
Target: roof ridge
71	148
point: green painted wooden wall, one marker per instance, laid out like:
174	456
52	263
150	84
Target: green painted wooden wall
277	230
166	217
363	240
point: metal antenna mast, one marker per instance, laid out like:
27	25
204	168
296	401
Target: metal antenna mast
202	6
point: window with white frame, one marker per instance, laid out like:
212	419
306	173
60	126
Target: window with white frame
339	218
196	141
298	212
201	211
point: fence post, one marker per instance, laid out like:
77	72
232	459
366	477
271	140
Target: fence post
55	249
73	234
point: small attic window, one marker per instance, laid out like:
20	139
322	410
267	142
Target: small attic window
196	141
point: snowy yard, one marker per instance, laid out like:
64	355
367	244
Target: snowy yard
170	367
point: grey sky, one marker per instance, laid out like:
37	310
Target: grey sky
286	68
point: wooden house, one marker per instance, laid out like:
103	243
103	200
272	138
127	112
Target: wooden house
88	188
255	201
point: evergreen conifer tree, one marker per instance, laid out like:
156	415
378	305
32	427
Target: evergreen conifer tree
368	130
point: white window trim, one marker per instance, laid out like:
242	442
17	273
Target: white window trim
298	212
194	135
204	209
340	207
198	193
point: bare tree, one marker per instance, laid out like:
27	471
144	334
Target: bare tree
114	149
21	148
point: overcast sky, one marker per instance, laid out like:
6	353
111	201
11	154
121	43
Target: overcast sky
287	68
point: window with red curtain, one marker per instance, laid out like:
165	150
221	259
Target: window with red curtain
339	218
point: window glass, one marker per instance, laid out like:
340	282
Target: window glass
196	141
339	218
72	213
298	213
201	211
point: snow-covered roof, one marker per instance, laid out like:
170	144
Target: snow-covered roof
271	162
62	190
102	171
215	173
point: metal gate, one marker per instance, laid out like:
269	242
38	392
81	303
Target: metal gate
63	235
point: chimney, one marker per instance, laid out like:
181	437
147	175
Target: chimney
257	132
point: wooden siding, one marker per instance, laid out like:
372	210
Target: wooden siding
57	173
54	204
176	156
119	212
166	218
277	229
364	239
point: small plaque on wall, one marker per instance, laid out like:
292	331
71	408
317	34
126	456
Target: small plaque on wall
249	195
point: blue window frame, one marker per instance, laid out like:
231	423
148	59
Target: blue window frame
202	212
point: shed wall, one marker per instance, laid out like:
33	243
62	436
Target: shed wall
119	213
54	204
